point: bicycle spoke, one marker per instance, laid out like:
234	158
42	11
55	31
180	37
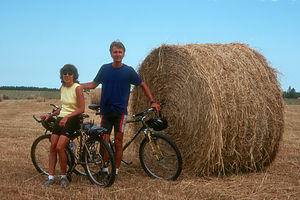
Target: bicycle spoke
160	158
100	164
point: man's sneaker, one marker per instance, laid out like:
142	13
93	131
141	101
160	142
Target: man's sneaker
49	182
64	182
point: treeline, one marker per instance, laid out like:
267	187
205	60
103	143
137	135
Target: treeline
291	93
24	88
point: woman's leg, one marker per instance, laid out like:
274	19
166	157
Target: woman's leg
53	154
63	141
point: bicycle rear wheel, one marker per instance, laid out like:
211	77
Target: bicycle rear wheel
40	151
160	157
99	162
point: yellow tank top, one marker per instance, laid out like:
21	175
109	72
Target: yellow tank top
69	99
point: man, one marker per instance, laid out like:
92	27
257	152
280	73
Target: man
116	79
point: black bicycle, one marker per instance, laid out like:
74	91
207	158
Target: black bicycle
87	153
158	154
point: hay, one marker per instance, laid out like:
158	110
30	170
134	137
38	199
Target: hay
31	96
95	96
41	99
223	104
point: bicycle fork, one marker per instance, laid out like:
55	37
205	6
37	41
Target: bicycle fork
156	153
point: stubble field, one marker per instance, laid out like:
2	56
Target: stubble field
20	180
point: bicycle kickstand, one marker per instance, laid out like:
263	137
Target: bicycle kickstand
127	163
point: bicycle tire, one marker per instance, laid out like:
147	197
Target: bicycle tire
40	150
93	155
168	165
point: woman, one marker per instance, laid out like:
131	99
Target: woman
67	122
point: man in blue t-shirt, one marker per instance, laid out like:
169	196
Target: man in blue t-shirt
116	79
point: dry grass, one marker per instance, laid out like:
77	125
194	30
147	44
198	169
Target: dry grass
20	180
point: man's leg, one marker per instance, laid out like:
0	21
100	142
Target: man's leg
119	126
119	148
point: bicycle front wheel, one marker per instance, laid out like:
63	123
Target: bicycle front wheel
160	157
40	151
99	162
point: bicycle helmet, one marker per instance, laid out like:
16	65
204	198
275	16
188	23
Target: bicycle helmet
49	124
157	124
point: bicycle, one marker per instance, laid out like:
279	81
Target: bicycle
85	152
158	154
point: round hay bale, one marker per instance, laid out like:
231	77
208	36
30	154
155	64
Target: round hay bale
31	96
223	104
1	97
95	96
41	99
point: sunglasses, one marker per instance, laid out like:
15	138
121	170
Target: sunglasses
68	73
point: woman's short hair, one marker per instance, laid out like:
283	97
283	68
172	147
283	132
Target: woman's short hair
69	68
118	44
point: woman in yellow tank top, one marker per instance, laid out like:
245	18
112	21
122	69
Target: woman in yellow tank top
67	122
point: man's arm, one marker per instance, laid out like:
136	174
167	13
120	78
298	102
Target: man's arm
149	96
90	85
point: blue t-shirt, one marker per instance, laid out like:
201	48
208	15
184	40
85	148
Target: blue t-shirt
116	84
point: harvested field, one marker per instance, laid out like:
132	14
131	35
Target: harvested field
20	180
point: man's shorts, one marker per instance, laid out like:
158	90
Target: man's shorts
72	125
113	120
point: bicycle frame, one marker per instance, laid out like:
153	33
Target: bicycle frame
138	132
147	133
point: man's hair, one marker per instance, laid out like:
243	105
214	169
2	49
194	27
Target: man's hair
118	44
69	68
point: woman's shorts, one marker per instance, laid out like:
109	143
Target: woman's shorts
72	125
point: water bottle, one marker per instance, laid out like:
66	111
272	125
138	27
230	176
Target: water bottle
72	145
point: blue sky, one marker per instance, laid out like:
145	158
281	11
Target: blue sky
37	37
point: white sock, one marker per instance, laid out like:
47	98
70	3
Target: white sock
117	170
105	169
50	177
63	176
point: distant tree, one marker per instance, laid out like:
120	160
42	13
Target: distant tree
290	93
27	88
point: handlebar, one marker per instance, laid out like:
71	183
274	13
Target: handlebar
42	119
144	112
55	106
39	121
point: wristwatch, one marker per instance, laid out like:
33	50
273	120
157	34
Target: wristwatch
153	101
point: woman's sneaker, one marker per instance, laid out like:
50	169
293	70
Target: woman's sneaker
64	182
49	182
